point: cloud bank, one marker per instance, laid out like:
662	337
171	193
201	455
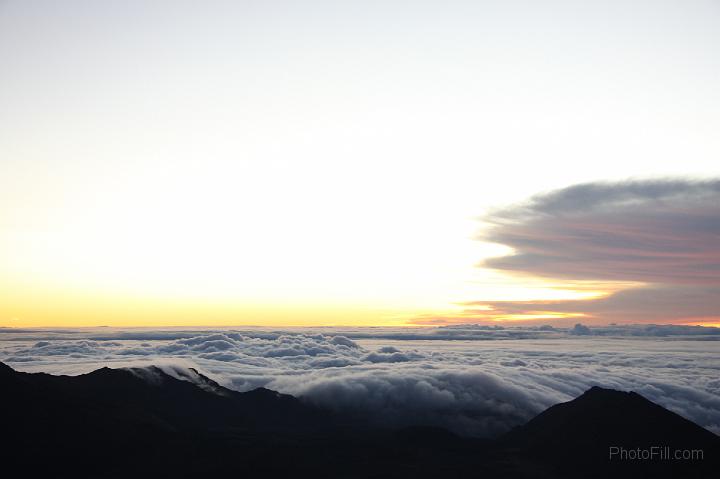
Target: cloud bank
662	234
475	380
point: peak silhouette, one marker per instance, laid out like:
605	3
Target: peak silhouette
146	422
596	427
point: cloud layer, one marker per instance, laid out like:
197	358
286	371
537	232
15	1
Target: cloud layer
475	380
654	232
664	235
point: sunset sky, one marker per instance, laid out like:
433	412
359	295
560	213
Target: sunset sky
359	163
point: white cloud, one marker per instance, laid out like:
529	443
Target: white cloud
474	380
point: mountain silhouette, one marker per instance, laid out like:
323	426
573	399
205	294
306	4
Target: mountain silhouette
611	430
146	422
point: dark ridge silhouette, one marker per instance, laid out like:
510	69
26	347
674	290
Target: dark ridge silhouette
142	422
582	432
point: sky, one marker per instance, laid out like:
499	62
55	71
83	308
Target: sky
370	163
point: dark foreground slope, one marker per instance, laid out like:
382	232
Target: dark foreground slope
607	433
145	423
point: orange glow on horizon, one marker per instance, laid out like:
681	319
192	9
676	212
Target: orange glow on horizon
711	322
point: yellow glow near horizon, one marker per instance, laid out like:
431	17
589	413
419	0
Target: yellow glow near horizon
537	315
712	322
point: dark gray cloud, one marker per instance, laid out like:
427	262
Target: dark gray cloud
653	231
610	195
663	233
580	330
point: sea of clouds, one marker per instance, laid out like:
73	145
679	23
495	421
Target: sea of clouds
474	380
